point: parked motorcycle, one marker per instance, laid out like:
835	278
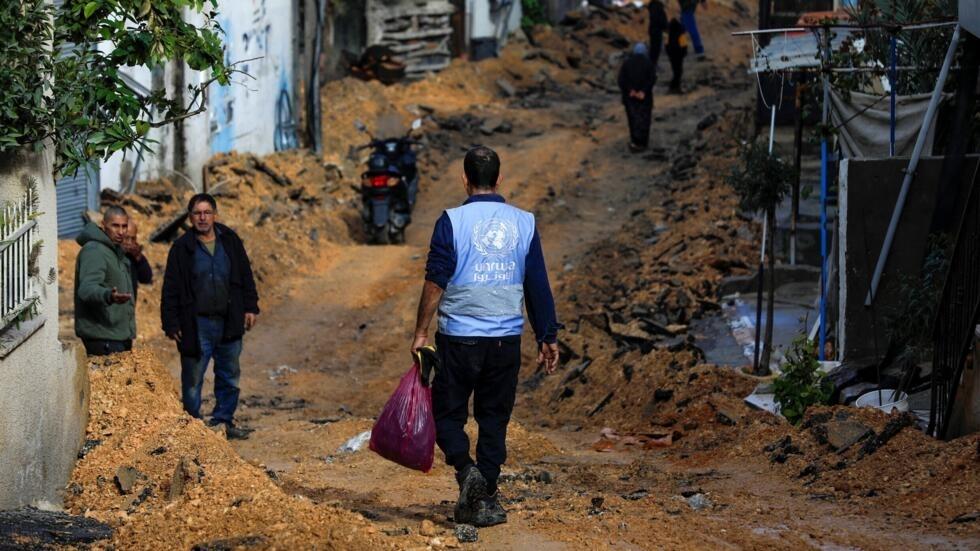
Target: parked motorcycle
389	185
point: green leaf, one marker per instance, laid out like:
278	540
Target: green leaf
90	9
142	127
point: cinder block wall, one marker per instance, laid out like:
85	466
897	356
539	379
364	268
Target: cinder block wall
44	389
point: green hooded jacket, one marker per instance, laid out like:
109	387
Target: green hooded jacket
101	266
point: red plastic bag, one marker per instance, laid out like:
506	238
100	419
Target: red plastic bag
405	432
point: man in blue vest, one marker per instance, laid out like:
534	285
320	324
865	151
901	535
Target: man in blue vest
485	264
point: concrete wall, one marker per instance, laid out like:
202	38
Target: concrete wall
242	116
868	191
44	393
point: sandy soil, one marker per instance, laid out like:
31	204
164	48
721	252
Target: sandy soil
598	458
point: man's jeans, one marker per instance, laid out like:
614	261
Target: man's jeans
226	371
691	26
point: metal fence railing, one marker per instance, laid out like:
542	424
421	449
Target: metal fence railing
956	317
18	236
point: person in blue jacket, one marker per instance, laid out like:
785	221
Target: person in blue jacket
485	265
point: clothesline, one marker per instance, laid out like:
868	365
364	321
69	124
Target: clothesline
885	26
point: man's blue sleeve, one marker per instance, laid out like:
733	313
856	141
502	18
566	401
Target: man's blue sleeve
441	264
537	295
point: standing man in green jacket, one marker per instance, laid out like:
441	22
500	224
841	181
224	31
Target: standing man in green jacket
105	315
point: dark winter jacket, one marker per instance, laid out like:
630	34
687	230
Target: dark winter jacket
658	20
142	274
676	42
178	310
637	73
101	266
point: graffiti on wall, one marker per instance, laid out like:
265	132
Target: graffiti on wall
258	38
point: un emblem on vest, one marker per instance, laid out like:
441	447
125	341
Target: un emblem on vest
495	237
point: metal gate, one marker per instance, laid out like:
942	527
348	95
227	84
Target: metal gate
957	316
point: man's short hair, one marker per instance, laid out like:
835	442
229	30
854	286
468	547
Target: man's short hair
202	197
482	167
113	211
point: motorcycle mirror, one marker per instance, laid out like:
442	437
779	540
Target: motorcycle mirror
416	124
360	126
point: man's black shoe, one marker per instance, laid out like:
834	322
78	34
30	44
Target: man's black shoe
489	512
231	431
472	488
236	433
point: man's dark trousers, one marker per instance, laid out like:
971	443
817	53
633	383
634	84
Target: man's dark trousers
486	368
227	371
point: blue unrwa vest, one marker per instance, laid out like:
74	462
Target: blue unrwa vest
485	297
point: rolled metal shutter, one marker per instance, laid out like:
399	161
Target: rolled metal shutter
76	194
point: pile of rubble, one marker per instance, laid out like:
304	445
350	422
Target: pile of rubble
864	457
154	475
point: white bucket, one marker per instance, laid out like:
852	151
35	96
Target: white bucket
871	400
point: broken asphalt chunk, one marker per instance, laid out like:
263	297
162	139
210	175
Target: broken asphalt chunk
466	533
636	495
30	528
126	478
230	544
699	501
506	87
841	435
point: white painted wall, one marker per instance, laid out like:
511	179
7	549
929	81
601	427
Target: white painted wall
115	172
44	394
484	22
242	117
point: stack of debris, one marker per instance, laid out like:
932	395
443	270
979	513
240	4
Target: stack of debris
418	34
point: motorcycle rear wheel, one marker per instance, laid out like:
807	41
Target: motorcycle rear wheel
378	235
397	237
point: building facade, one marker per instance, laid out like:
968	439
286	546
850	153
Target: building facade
44	395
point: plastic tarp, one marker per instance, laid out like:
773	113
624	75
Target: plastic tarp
863	123
796	50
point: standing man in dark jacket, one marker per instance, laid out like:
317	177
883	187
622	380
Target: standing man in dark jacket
485	264
209	302
657	27
105	316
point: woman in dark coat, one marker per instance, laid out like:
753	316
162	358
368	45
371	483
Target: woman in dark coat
676	50
636	79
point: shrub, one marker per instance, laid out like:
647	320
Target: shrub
801	383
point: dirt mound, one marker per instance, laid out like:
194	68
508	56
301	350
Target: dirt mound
865	457
158	475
